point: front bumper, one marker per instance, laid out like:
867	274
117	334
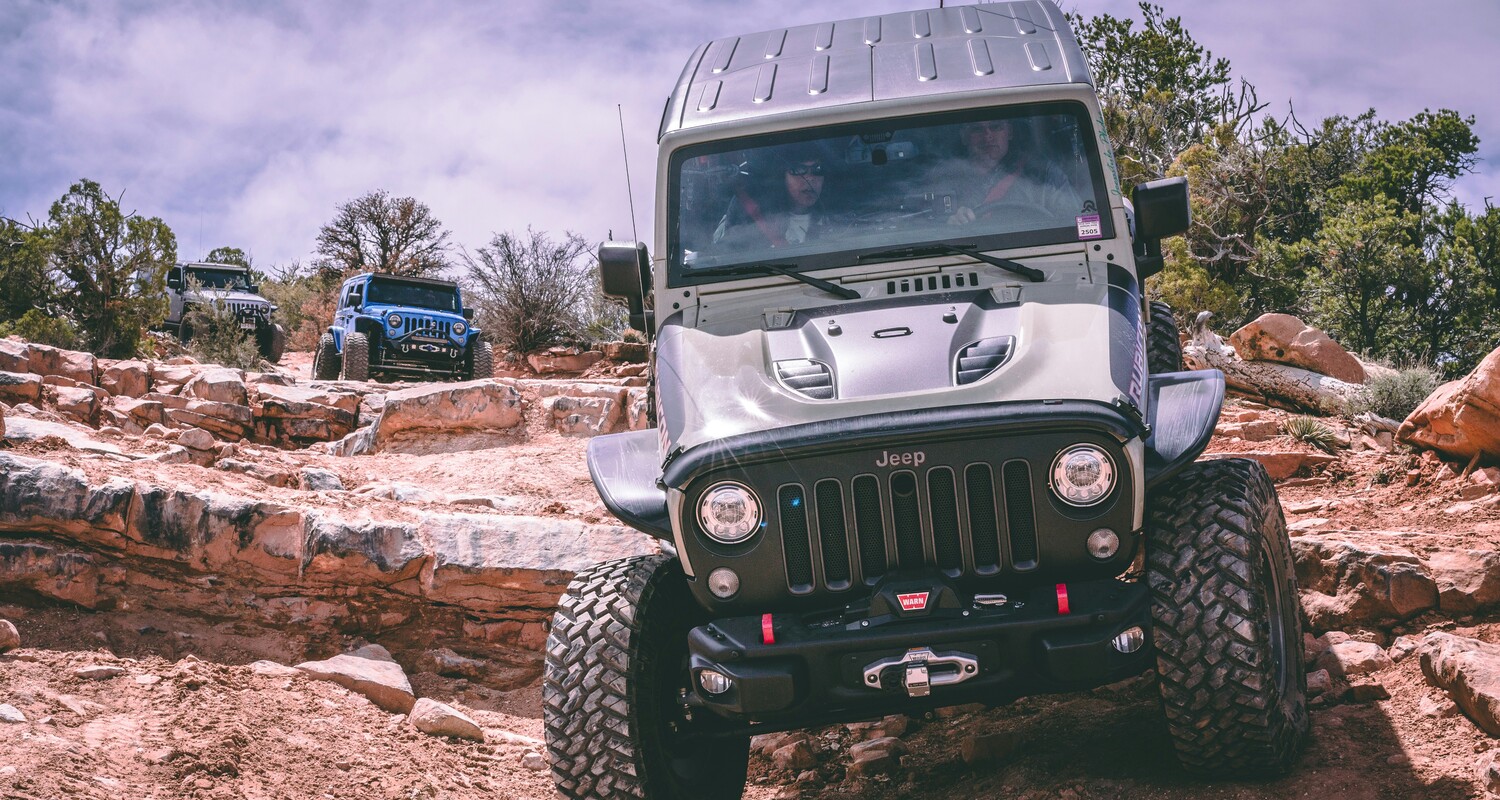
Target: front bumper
809	671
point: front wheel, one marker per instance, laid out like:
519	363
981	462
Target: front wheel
1163	346
484	361
326	359
273	343
616	663
1228	630
356	366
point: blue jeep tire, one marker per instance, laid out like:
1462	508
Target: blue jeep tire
326	360
484	361
356	365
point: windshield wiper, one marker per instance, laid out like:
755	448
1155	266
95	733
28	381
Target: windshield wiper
788	270
964	249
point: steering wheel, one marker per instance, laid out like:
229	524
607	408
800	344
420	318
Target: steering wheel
1021	215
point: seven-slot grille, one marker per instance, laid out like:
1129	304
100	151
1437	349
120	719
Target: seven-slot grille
426	326
244	309
944	517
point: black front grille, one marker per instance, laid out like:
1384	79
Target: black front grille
944	517
426	326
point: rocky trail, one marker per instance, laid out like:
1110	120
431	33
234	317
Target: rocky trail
269	616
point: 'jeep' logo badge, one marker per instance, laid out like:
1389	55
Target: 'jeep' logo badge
915	458
916	601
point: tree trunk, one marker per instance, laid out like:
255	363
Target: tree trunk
1280	385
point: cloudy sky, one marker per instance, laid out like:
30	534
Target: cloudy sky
247	123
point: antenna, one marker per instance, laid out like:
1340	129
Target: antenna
626	155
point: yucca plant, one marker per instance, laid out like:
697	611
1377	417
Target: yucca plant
1313	432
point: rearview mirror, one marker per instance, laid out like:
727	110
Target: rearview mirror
625	274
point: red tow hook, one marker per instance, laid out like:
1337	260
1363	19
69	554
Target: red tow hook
1062	598
767	630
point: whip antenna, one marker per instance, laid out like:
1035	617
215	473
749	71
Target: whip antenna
625	154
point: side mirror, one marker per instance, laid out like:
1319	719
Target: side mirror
1161	210
174	278
625	273
468	314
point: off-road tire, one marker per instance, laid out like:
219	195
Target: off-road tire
1228	630
272	344
356	364
484	361
326	364
615	661
1163	347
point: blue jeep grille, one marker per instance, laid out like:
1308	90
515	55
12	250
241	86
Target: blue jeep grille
426	326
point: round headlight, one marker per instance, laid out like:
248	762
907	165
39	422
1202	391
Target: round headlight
393	320
459	328
729	512
1083	475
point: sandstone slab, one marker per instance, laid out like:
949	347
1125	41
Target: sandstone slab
484	405
1348	585
20	387
128	378
1279	465
370	671
1348	659
45	360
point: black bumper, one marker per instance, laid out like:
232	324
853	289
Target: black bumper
817	672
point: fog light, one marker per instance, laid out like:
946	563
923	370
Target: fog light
1103	544
714	682
1129	640
724	583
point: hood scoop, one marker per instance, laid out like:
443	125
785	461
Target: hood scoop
981	358
811	379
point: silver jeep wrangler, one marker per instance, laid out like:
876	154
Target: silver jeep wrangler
920	439
231	287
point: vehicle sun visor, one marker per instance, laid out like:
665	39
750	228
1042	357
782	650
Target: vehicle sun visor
1184	410
625	468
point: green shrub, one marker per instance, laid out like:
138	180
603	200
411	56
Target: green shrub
215	337
36	326
1396	396
1313	432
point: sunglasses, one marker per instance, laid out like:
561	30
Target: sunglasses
799	170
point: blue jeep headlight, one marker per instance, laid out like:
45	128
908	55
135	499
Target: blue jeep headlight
393	320
459	328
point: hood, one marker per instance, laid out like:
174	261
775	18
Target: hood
234	296
1066	339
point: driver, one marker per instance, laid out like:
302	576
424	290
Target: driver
994	172
795	214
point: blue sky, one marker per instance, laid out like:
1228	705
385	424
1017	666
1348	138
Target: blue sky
247	123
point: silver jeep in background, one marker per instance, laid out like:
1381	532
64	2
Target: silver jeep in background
231	287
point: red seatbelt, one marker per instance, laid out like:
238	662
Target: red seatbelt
1002	186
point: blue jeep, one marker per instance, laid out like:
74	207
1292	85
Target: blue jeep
391	325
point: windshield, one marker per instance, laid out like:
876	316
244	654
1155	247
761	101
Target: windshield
1016	176
219	278
397	293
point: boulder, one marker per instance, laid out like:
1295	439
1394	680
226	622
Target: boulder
626	352
126	378
10	638
446	662
11	714
15	356
81	367
369	671
1284	339
169	378
1467	580
20	387
144	412
218	385
485	405
1461	418
1469	670
439	719
794	756
584	416
320	480
196	439
76	403
881	755
1346	585
1348	659
563	359
344	401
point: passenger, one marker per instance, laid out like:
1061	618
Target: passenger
993	172
795	215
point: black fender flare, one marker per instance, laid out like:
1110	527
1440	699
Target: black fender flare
626	469
1184	409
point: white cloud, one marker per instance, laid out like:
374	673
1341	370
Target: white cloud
252	122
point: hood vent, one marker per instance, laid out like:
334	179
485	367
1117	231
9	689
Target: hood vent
812	379
983	357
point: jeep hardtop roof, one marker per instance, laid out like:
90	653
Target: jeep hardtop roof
433	282
906	55
212	265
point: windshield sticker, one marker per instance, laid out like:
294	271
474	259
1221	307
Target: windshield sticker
1089	227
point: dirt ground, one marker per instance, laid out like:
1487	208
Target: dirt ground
189	717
